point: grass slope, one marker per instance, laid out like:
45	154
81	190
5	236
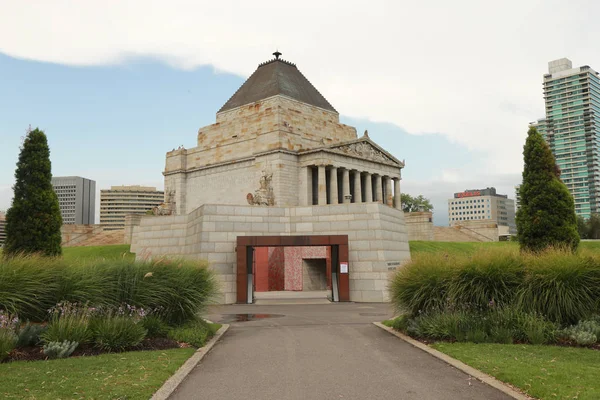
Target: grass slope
545	372
132	375
419	246
112	252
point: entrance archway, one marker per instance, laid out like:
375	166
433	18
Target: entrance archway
339	261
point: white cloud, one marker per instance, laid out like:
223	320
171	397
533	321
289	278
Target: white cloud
468	69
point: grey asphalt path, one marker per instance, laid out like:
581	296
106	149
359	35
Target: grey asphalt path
322	352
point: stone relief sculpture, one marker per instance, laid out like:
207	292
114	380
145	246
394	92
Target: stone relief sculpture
167	207
364	150
263	196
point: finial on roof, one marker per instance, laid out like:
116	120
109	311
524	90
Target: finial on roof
277	54
366	133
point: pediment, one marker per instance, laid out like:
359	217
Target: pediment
365	148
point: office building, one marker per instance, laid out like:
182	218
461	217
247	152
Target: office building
517	197
118	201
572	130
2	228
482	205
76	198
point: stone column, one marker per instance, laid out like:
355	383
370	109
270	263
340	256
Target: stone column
346	185
369	188
397	201
378	189
333	186
388	191
322	186
305	186
357	195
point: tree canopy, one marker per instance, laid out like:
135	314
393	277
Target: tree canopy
415	204
547	214
33	221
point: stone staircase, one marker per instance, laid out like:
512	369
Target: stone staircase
457	234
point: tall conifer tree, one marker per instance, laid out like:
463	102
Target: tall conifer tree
547	213
33	221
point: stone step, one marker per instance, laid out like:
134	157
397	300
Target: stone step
292	297
300	301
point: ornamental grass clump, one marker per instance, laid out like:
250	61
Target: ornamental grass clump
69	322
563	287
488	278
422	285
176	290
8	337
29	284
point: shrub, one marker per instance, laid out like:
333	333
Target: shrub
400	323
177	291
155	326
117	333
561	286
547	214
8	341
59	349
29	335
585	333
194	333
422	285
69	322
28	285
489	278
33	221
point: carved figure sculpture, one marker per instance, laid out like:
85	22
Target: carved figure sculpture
264	195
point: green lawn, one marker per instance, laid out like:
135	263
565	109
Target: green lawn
418	246
544	372
132	375
109	252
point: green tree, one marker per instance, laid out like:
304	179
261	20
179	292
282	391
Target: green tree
33	221
582	227
593	226
414	204
547	213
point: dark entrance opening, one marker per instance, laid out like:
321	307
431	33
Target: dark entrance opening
337	275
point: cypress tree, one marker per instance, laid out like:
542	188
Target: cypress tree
33	221
547	214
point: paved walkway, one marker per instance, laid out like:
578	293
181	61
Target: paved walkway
322	352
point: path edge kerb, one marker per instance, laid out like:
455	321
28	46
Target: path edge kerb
175	380
475	373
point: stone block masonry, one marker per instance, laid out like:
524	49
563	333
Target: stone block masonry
377	239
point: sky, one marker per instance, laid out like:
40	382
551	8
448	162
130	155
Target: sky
449	87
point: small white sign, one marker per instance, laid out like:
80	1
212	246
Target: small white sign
343	268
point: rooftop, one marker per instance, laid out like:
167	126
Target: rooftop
277	77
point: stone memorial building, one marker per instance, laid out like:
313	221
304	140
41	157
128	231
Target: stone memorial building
278	169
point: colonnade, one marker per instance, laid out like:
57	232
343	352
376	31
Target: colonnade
329	184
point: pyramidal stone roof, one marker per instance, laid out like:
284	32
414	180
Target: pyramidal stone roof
277	77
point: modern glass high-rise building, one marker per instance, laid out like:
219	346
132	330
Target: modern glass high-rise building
572	130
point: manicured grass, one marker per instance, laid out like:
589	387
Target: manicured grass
112	252
132	375
418	246
544	372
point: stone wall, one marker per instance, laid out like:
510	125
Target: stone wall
274	123
378	241
73	234
419	225
468	231
131	220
